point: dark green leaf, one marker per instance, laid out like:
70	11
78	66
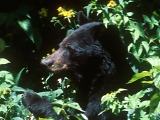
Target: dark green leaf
18	76
146	18
157	79
154	102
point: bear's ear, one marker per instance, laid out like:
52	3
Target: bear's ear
82	19
98	29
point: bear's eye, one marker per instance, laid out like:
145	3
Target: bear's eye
68	46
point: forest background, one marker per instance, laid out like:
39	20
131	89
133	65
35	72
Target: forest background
31	30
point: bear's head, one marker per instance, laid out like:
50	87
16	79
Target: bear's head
80	49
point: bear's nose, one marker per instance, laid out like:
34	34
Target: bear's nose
47	62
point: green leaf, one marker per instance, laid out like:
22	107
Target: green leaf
69	32
126	19
158	31
146	46
139	28
157	80
18	89
135	35
105	21
18	76
3	108
53	94
57	110
140	50
4	86
154	102
139	76
105	9
122	3
130	13
154	21
3	61
146	18
141	93
27	27
157	110
145	103
75	106
154	61
17	118
7	77
89	9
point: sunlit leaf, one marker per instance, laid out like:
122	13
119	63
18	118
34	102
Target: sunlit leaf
105	21
7	77
57	110
139	76
154	21
122	3
130	13
147	82
4	86
126	19
18	89
154	60
27	27
3	61
3	108
17	118
89	9
145	45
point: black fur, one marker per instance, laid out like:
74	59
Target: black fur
82	54
39	106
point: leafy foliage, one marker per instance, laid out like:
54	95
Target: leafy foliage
138	22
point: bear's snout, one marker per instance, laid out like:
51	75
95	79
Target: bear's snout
47	62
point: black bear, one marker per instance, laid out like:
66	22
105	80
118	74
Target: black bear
94	68
39	106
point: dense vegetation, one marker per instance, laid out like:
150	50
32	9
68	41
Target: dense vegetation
31	30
